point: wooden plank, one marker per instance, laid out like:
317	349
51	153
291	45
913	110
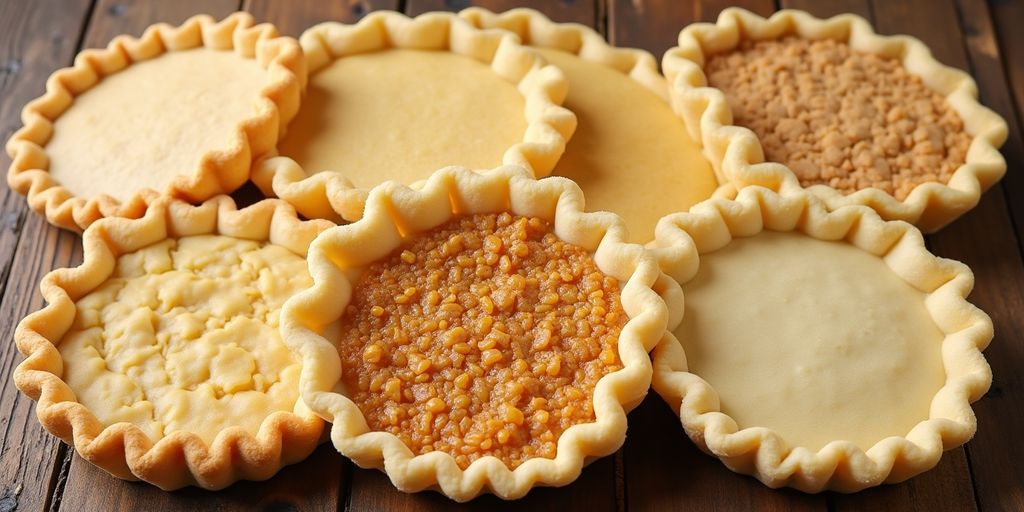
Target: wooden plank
666	472
946	487
293	488
654	26
33	43
578	11
831	7
293	17
985	240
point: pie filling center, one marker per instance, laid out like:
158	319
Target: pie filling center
630	154
484	336
817	340
402	114
183	337
152	121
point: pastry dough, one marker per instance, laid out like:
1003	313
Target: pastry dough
818	350
630	154
310	324
159	358
181	111
736	153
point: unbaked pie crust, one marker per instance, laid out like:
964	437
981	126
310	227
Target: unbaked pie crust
737	154
148	349
630	154
827	350
122	126
337	258
393	97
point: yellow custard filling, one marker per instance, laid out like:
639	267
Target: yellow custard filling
816	340
630	154
402	114
152	121
184	337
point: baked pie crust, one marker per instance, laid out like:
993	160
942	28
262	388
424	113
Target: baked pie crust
629	142
332	193
393	213
937	287
130	69
737	155
123	449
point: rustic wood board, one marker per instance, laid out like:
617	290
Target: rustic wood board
658	468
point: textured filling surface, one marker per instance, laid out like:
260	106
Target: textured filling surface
402	114
153	121
183	337
839	117
630	154
817	340
484	336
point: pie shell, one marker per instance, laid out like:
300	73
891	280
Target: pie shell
330	194
394	212
123	449
219	171
736	153
840	465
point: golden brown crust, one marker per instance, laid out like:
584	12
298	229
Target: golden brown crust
122	449
219	171
393	212
330	194
736	153
840	465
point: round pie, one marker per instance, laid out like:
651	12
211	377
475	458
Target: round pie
818	350
395	98
119	128
159	358
631	153
478	334
857	118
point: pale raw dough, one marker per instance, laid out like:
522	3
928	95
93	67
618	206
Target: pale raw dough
817	340
630	154
152	121
184	337
402	114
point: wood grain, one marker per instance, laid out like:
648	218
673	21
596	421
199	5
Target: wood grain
295	16
830	8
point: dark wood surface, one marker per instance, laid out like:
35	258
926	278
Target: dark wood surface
658	468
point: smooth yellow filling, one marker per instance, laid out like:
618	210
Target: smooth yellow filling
183	337
402	114
154	120
817	340
630	153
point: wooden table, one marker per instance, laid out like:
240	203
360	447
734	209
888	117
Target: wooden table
658	468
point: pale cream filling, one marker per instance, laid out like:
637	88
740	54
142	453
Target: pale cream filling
402	114
817	340
183	337
630	154
152	121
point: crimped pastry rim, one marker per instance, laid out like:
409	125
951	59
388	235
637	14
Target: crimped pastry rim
736	153
123	449
330	194
393	209
840	465
220	171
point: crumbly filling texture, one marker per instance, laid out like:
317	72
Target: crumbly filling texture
839	117
484	336
184	337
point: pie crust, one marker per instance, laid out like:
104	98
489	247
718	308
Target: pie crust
182	457
628	137
394	212
939	284
737	155
215	168
334	195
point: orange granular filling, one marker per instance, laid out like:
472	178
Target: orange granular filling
484	336
839	117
